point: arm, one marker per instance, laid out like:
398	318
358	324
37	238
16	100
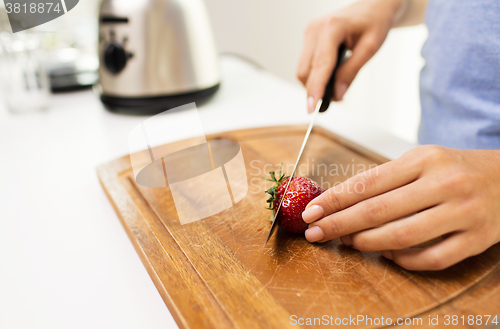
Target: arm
429	192
411	12
363	28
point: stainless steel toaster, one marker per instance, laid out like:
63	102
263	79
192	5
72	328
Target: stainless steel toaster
155	54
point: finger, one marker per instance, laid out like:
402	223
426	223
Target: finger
370	183
310	39
411	231
436	257
331	35
378	210
366	47
346	239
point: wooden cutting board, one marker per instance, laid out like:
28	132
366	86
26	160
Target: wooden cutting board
217	273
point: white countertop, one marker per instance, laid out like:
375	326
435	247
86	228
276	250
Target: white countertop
65	260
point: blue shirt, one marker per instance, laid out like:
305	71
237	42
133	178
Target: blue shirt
460	83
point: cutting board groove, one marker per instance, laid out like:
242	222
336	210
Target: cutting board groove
216	273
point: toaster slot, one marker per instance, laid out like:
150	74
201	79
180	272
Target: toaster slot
113	19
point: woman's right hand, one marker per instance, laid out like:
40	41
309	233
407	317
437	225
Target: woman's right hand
362	27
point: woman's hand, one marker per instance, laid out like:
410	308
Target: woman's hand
449	193
363	28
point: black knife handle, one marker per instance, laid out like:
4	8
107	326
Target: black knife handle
328	96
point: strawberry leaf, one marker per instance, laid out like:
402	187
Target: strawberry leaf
273	191
273	176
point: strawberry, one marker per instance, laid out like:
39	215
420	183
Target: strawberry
300	192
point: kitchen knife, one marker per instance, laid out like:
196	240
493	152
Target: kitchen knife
321	106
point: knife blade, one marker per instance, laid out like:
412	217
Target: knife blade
321	106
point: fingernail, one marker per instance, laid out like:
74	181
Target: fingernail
314	234
346	239
310	104
340	91
312	213
387	254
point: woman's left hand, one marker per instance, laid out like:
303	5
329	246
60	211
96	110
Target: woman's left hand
428	192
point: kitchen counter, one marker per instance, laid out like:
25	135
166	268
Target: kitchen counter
65	260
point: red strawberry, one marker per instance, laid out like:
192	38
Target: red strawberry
300	192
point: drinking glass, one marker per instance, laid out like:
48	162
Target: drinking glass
23	79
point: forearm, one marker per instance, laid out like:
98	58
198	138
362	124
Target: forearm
410	12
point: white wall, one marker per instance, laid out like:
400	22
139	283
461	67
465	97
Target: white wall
270	32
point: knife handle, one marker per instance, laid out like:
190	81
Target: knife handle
328	95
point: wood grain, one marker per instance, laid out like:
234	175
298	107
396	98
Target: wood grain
216	273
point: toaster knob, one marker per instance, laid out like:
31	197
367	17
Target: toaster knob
115	57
